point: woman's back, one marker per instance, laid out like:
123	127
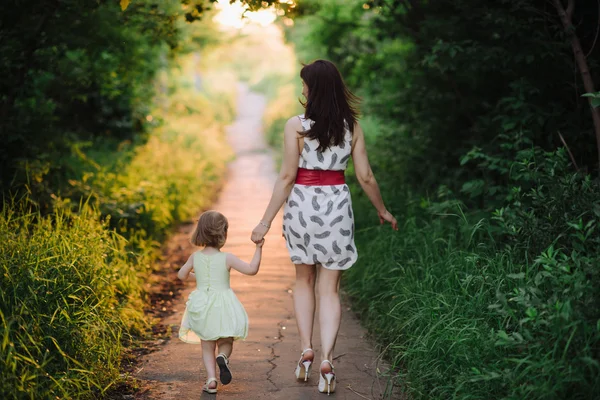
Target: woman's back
334	158
318	222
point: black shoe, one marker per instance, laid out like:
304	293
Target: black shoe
225	373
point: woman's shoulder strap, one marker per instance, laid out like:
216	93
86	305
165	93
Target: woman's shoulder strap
304	121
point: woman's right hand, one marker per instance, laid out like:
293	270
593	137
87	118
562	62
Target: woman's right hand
385	216
259	232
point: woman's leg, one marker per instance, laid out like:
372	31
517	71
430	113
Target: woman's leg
225	346
208	356
304	304
330	310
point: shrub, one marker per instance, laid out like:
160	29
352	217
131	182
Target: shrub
469	316
73	278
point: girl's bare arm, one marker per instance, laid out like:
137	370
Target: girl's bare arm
245	268
186	270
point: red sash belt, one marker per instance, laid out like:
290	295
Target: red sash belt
317	177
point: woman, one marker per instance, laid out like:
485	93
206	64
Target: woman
318	222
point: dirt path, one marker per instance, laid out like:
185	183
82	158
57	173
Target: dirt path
262	365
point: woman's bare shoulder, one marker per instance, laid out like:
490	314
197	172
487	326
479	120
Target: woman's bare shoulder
294	122
357	133
294	126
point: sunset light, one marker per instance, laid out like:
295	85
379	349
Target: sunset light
236	15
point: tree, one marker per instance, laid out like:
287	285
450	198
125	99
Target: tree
566	17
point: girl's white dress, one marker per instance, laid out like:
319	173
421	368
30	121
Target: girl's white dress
213	310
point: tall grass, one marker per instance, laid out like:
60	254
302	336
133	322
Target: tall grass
462	313
72	280
462	318
68	297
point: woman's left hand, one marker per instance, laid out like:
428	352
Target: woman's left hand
259	233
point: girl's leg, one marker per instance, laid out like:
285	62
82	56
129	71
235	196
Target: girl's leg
208	356
304	304
225	346
330	311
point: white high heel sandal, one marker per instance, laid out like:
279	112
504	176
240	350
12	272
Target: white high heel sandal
327	381
303	368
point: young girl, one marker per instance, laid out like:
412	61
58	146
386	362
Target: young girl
213	315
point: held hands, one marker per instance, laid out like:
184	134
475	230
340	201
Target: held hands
258	234
385	216
260	244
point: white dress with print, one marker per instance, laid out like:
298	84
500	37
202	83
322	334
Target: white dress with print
318	222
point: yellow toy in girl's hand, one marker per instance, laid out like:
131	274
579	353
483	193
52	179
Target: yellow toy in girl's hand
214	317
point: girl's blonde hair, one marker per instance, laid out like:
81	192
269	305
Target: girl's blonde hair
211	230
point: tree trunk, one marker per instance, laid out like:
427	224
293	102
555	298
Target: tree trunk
580	59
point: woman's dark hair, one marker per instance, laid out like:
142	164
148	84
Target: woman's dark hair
330	105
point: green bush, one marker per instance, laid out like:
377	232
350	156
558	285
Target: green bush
73	277
109	141
79	70
150	187
490	289
465	318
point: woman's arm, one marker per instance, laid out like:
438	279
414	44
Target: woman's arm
285	180
244	267
365	176
186	269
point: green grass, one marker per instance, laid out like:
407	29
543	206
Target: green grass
462	319
462	315
69	299
73	279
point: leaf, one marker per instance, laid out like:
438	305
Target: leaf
595	98
518	336
531	312
124	4
520	275
474	187
507	126
590	361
